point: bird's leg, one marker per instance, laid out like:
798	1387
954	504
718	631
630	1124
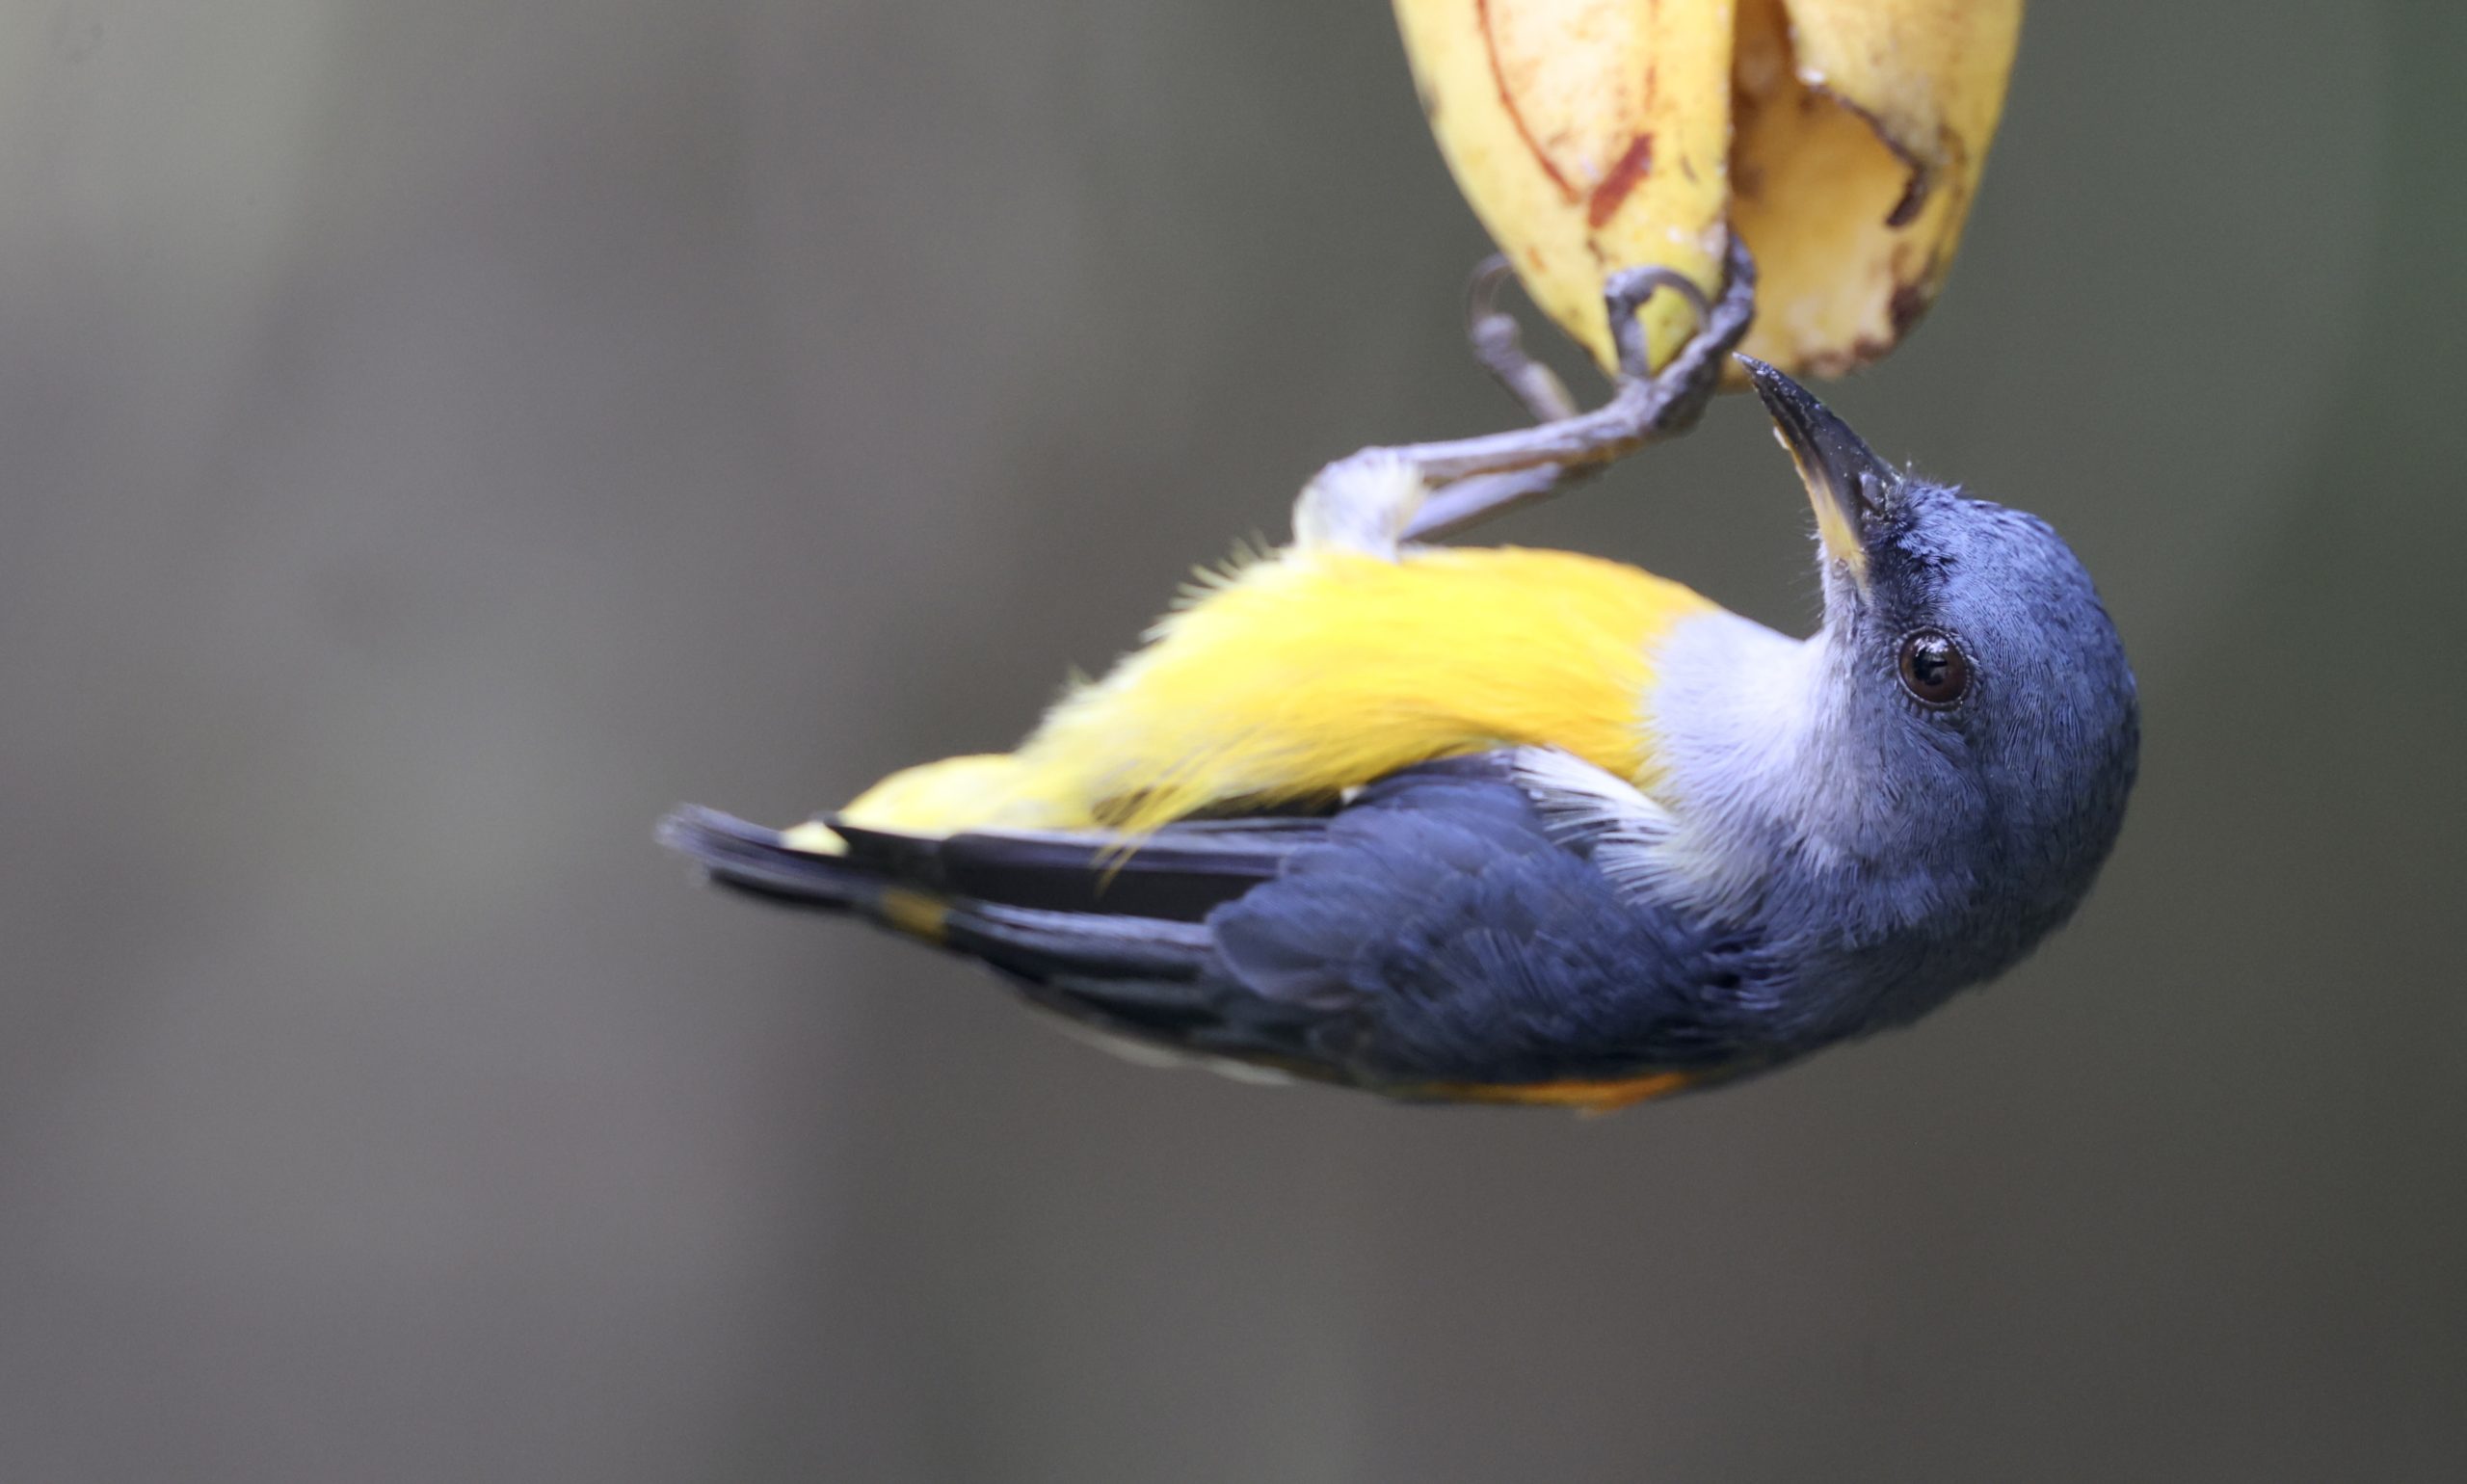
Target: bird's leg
1470	480
1366	502
1381	497
1498	346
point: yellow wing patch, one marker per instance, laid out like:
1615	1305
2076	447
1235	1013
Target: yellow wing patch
1312	672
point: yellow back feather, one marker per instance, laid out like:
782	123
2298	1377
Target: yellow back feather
1314	671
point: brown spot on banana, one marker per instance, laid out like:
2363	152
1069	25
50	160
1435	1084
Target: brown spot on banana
1634	165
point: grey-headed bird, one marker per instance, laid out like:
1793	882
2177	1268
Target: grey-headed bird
1521	826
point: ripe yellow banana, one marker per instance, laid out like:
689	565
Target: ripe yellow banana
1840	139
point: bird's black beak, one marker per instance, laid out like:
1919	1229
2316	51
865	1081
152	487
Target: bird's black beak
1846	481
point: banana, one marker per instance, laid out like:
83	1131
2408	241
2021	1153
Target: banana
1840	139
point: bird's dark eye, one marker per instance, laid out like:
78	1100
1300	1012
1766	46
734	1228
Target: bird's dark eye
1934	670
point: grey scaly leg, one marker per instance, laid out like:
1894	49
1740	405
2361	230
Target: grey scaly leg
1381	497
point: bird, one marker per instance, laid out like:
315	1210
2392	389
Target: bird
1498	825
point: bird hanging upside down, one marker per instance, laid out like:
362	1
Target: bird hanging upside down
1518	826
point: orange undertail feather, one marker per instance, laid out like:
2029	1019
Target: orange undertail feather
1311	671
1588	1098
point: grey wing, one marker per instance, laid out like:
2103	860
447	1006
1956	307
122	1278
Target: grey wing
1436	929
1476	945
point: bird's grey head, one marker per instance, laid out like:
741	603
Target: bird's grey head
1979	729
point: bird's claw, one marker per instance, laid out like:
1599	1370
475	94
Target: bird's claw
1686	382
1498	345
1624	296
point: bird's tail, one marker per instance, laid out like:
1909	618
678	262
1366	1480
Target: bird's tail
754	859
1105	931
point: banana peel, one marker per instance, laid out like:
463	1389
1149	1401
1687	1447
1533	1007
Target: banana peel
1842	140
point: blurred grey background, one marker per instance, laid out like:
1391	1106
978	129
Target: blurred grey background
441	437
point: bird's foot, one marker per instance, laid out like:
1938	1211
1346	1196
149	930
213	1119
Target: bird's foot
1472	480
